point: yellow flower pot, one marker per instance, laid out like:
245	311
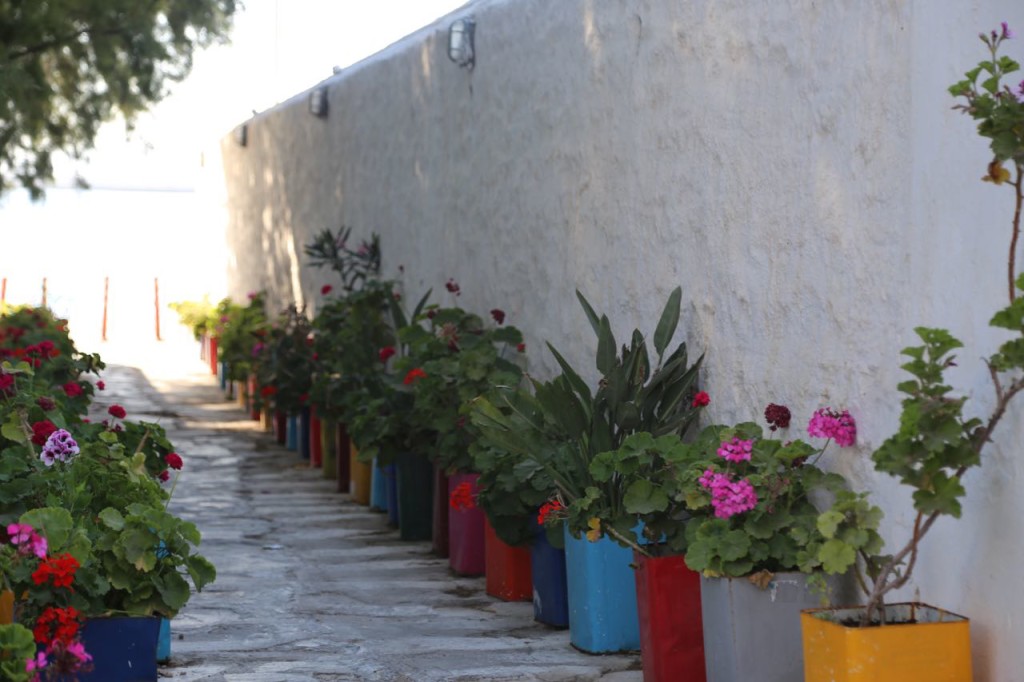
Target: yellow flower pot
360	477
920	644
6	607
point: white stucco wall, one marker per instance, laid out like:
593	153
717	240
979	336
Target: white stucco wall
794	165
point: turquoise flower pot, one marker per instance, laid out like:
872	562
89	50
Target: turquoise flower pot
602	596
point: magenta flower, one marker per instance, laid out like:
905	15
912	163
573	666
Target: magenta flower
1020	92
736	450
20	533
839	426
728	497
1007	32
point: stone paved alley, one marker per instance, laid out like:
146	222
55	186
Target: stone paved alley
310	585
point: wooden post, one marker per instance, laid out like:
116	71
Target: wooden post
44	292
3	292
156	305
106	287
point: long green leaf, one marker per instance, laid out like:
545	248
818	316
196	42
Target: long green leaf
668	322
605	347
570	374
591	315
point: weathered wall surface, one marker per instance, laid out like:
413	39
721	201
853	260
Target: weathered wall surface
795	166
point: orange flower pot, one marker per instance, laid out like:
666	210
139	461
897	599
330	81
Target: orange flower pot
507	568
925	644
6	607
360	477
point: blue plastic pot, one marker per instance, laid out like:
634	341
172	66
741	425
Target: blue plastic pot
292	437
391	485
163	642
602	596
223	376
550	591
123	649
304	417
378	488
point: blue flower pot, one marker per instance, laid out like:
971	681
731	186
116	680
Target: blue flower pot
602	596
550	591
378	488
123	649
163	642
391	484
223	376
292	437
304	417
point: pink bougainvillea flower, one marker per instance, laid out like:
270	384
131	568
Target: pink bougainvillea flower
326	289
386	352
413	375
839	426
736	450
117	411
498	315
702	399
173	460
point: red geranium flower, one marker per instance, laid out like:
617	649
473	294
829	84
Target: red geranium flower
546	509
268	391
41	431
498	315
702	399
462	497
386	352
413	375
326	289
116	411
173	460
164	476
521	348
73	389
60	568
6	384
100	385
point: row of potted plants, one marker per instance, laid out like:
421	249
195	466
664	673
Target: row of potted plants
91	561
739	521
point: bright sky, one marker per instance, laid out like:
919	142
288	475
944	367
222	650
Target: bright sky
278	48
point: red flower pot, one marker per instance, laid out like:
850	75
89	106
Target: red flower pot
211	354
509	576
465	528
671	629
280	427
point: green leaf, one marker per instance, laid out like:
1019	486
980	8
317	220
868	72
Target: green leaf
642	497
12	430
667	324
606	359
112	518
836	556
591	315
174	589
828	523
53	523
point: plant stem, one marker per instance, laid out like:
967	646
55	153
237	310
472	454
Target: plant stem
1016	230
884	582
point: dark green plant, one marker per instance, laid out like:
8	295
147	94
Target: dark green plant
239	329
17	647
355	267
453	358
284	363
199	316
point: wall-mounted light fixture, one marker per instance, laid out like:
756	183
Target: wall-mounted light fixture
318	102
460	42
242	134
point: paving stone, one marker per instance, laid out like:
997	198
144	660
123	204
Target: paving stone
312	587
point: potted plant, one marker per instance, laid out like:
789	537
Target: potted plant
741	509
936	445
453	357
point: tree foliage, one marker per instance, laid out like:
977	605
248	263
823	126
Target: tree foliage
67	66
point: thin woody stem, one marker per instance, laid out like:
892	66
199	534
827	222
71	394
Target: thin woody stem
1016	230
